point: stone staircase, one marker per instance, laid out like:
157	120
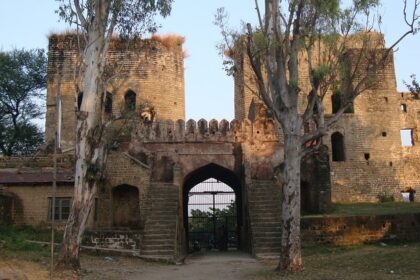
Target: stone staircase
264	199
159	237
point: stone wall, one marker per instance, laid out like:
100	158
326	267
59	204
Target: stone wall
30	203
113	239
360	229
122	170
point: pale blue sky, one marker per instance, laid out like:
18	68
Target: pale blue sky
209	92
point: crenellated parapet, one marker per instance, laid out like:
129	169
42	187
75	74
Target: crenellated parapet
206	131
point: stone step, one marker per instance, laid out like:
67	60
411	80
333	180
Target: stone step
264	191
160	242
156	212
163	231
266	202
164	200
266	219
262	212
265	205
162	217
164	204
167	254
268	239
272	200
163	196
164	211
274	233
161	235
161	222
266	227
159	226
158	247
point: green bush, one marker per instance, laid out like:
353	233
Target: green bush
14	238
386	198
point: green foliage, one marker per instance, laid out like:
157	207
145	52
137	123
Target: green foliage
414	87
200	219
23	78
14	238
319	73
386	198
365	4
128	17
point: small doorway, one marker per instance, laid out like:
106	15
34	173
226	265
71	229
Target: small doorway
212	216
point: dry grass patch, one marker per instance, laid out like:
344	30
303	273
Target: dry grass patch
397	261
170	41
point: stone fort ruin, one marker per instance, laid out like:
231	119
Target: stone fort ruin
151	172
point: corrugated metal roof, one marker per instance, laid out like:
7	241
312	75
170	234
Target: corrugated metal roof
34	177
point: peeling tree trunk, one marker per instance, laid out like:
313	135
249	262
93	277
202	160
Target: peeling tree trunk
291	259
90	152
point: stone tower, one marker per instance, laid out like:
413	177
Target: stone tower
367	158
144	73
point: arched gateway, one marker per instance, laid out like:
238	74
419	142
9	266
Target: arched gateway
186	170
212	208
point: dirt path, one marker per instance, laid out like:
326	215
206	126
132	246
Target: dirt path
230	265
213	265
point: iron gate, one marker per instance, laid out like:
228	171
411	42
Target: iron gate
212	219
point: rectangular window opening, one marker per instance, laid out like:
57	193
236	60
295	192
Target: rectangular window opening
407	137
62	208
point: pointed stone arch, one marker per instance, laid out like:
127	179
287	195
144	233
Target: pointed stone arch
221	174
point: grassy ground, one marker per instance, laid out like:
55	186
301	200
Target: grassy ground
362	209
13	242
392	261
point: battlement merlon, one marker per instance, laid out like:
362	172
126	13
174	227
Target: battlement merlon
203	131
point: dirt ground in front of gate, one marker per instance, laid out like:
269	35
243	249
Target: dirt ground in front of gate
212	265
375	261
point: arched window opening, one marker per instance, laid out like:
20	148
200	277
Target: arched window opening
125	205
108	103
130	101
337	145
79	100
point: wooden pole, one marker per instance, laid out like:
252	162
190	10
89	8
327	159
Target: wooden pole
54	184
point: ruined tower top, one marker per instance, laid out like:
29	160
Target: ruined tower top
141	74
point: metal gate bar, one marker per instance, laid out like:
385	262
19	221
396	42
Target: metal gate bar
212	219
